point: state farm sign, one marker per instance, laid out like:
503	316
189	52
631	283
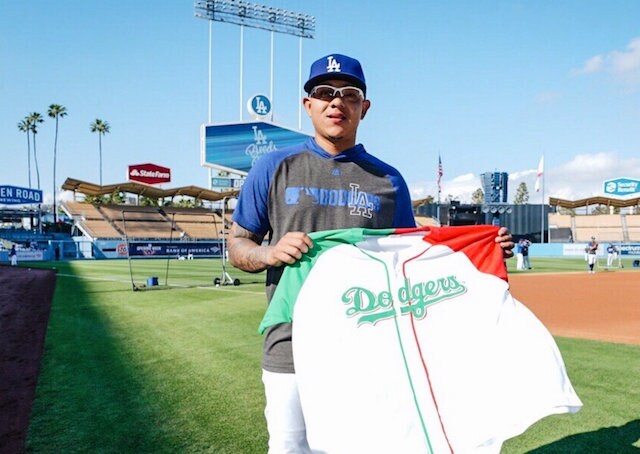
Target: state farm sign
149	173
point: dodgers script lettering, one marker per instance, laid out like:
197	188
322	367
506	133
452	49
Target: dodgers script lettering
413	299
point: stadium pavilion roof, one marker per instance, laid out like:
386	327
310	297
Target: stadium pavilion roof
83	187
598	200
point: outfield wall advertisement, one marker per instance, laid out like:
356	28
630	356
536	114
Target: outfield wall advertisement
26	255
622	187
115	249
13	195
577	249
236	147
149	173
167	249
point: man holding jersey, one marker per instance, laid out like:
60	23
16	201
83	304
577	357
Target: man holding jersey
325	183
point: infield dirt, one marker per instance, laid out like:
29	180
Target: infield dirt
601	306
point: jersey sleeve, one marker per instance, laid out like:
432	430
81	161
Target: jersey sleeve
280	309
252	210
477	242
403	210
403	216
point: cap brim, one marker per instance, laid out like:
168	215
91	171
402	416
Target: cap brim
335	76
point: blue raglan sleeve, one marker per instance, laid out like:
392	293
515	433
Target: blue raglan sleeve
252	209
403	216
403	210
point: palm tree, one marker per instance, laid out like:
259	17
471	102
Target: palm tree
25	126
35	118
56	111
101	127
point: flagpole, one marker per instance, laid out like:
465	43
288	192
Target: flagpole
440	173
542	205
439	167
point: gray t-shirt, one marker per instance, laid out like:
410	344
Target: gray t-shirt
305	189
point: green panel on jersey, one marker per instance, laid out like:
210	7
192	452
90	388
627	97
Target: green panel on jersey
280	308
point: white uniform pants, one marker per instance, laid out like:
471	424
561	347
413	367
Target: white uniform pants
285	422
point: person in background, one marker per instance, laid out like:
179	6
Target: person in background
612	254
526	264
13	256
519	257
592	249
328	182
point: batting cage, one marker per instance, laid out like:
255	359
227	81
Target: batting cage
610	257
173	247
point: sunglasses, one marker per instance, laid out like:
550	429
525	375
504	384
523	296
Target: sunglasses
327	93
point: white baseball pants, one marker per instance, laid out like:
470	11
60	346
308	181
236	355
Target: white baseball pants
285	422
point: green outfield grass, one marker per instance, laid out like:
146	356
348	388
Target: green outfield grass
177	370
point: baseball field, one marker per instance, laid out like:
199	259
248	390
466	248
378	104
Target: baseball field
177	370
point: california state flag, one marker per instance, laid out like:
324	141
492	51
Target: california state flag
540	173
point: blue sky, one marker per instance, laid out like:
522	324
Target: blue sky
487	85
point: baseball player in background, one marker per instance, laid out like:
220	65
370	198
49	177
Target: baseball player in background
592	250
327	182
519	256
13	255
612	254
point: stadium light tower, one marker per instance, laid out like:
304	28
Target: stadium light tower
275	20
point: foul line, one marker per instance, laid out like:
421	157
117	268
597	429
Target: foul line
128	281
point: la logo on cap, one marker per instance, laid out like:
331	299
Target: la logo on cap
332	66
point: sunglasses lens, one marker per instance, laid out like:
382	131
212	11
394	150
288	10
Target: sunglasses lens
324	93
351	94
327	93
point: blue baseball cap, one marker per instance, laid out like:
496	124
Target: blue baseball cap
336	67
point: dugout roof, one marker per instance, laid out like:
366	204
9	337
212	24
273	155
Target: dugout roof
131	187
597	200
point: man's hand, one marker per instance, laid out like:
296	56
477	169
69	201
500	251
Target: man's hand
247	252
289	249
505	239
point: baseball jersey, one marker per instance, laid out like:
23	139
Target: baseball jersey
305	189
409	341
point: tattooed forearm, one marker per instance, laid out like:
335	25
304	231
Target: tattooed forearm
246	251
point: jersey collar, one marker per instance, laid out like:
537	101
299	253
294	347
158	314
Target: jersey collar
347	155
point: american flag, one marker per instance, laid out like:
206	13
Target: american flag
440	173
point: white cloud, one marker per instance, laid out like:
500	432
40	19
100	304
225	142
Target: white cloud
629	61
465	178
460	187
625	65
578	178
593	65
66	196
548	97
518	175
583	176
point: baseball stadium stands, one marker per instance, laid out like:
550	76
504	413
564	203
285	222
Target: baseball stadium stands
633	227
144	222
90	220
139	222
423	221
197	223
605	227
